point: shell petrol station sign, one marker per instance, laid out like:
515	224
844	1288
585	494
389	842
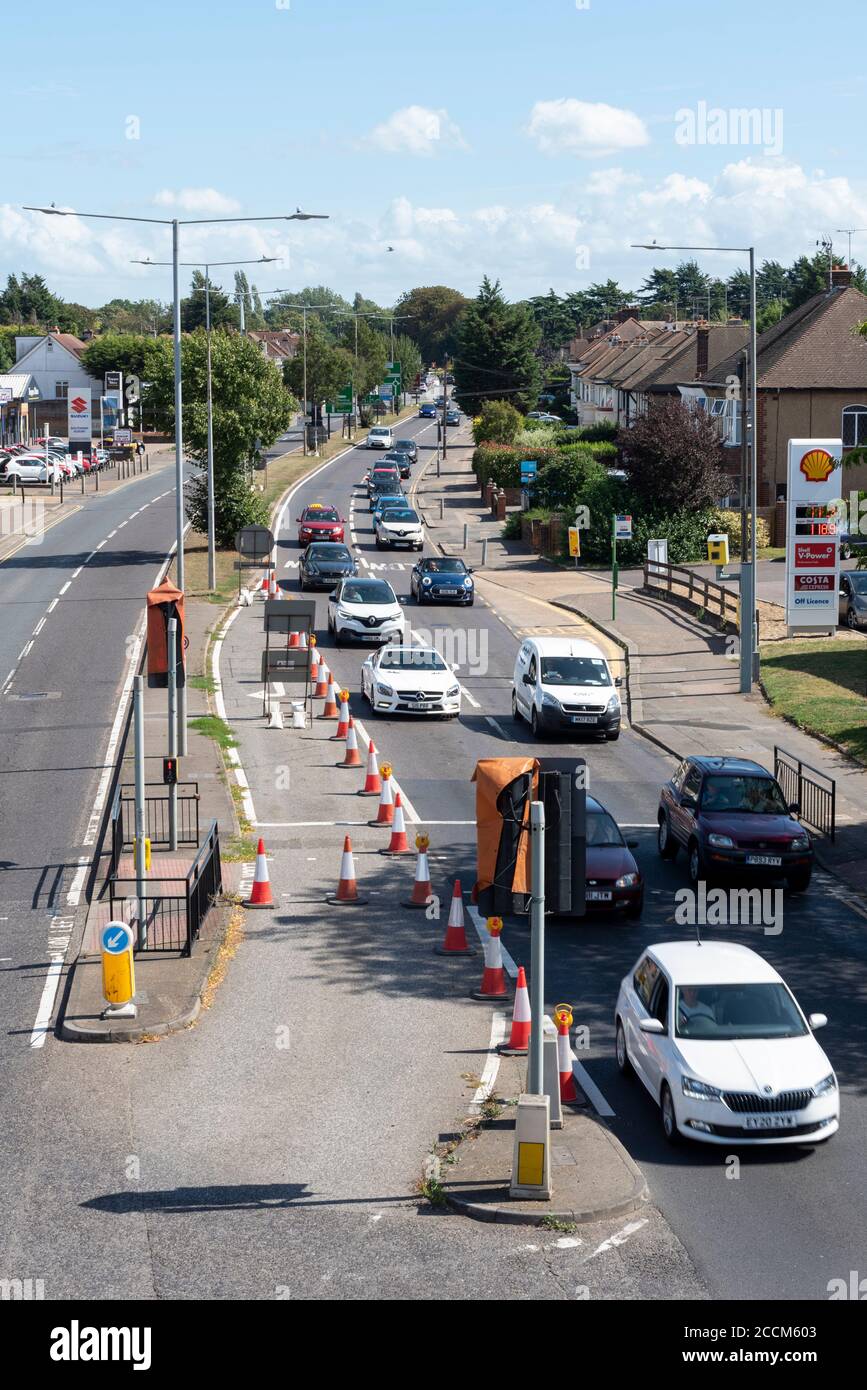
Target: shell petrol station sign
812	535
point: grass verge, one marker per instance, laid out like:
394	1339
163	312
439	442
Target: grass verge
820	686
217	729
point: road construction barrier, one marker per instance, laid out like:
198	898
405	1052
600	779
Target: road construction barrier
352	757
563	1020
372	784
261	892
385	814
321	691
347	888
519	1037
493	976
455	940
421	889
398	844
343	721
329	710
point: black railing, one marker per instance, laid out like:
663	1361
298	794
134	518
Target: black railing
814	791
172	909
156	816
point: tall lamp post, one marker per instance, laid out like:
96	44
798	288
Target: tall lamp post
261	260
176	224
749	582
304	310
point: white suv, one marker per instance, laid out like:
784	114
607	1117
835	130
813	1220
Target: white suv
398	526
32	468
411	680
562	683
381	437
366	610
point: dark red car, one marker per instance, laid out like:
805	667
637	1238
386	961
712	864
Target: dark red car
613	879
319	522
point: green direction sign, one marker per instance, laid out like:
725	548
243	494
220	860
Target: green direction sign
342	405
392	375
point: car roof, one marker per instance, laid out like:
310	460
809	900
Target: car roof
565	646
328	545
731	767
712	963
416	647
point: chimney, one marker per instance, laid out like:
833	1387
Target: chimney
702	337
631	312
841	277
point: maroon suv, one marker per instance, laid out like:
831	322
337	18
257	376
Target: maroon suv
730	816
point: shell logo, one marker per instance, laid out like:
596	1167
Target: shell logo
818	465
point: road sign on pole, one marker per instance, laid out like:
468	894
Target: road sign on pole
118	971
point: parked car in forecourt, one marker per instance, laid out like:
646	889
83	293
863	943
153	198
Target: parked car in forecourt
32	468
411	680
398	525
324	563
853	598
562	683
365	610
721	1044
319	521
731	817
441	579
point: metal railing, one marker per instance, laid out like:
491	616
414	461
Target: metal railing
814	791
173	909
704	593
156	817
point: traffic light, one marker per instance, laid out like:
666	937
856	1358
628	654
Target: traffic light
170	771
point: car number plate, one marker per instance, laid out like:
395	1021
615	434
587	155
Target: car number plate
583	718
423	704
450	592
597	895
771	860
370	637
770	1121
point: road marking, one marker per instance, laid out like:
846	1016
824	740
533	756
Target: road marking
232	754
492	1065
52	605
475	917
590	1089
499	728
46	1003
68	582
109	536
75	574
38	628
619	1237
23	653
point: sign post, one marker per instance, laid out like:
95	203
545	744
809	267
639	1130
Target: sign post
813	535
118	971
575	544
621	530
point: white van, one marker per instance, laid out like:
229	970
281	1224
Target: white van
380	437
562	683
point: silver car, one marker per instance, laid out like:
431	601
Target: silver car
853	598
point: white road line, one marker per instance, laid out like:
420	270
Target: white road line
472	699
38	628
618	1238
23	653
121	526
109	536
492	1066
75	575
76	887
68	582
409	810
481	930
232	754
489	719
590	1089
52	605
46	1003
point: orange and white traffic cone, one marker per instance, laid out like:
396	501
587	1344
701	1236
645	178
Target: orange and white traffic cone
455	940
294	639
343	722
494	976
314	667
385	814
398	842
421	889
329	710
353	757
264	588
519	1038
563	1020
273	591
347	888
302	639
261	893
372	784
321	691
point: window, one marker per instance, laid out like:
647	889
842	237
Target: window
659	1005
645	979
61	390
692	784
854	426
532	671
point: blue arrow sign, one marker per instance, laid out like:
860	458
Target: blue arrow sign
116	938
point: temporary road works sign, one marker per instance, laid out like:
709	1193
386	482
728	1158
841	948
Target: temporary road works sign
118	973
574	542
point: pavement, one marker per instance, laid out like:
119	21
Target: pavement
681	673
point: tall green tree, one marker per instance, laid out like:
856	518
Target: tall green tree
407	354
369	364
328	369
223	312
495	356
435	311
673	459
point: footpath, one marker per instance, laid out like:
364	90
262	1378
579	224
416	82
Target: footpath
682	680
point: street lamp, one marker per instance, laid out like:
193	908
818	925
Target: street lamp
261	260
748	577
304	308
176	224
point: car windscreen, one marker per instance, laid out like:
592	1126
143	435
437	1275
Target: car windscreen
321	514
757	795
404	446
399	514
736	1011
411	659
328	552
602	829
368	591
858	582
574	670
444	567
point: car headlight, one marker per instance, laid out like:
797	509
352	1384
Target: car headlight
721	841
829	1083
427	579
613	704
312	569
699	1090
550	700
627	881
451	693
384	689
468	583
343	612
800	842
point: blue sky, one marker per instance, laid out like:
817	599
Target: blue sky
533	142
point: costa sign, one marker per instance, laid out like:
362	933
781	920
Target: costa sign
814	583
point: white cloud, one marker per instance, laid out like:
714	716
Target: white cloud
203	200
677	189
417	130
568	126
609	183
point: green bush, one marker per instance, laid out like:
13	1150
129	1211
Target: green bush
498	422
601	433
511	529
536	435
501	463
235	505
731	522
563	481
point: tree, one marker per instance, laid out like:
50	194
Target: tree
135	316
409	357
28	300
660	287
368	368
498	422
129	353
193	309
673	459
279	315
328	369
691	285
495	357
435	311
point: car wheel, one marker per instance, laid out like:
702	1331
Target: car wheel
851	619
665	841
669	1118
516	713
338	636
798	883
470	602
696	864
535	723
624	1066
378	543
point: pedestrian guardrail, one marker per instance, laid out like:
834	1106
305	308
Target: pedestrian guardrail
172	909
681	582
156	817
814	791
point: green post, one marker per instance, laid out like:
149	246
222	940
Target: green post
613	567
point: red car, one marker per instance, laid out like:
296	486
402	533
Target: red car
613	877
319	522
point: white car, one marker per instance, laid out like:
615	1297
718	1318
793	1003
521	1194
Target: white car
380	437
718	1039
398	526
562	683
366	610
410	680
32	468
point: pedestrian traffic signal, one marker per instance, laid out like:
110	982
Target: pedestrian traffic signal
170	771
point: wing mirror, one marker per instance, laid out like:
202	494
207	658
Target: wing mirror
795	808
528	680
618	680
651	1025
817	1020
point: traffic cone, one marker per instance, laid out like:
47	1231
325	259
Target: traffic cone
385	814
294	639
563	1020
264	586
323	678
272	585
372	785
519	1038
398	842
302	639
343	722
347	888
353	757
330	708
261	894
494	976
421	889
455	940
314	667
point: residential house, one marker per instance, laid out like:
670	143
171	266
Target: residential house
52	361
278	344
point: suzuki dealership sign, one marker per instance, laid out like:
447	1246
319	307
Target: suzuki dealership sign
812	539
79	416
